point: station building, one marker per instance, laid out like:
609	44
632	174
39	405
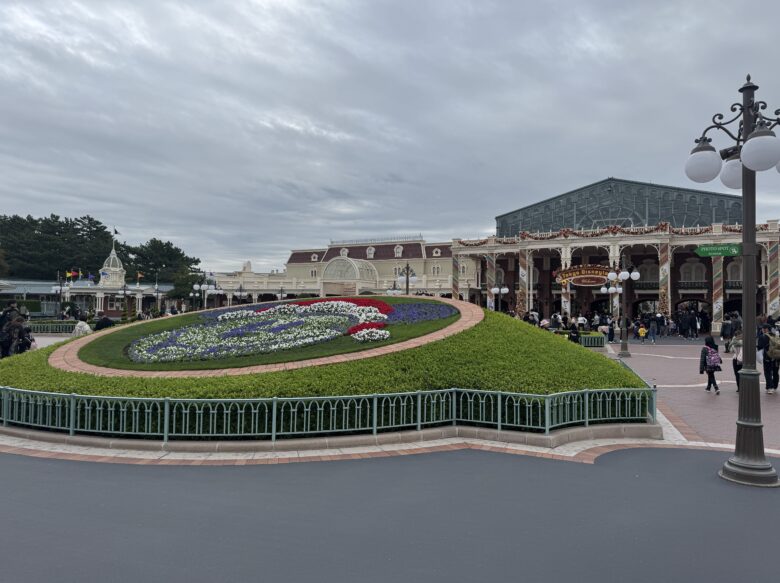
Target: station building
654	228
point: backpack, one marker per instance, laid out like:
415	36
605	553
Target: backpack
713	358
773	350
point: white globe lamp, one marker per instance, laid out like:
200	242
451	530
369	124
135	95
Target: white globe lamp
761	150
635	275
504	290
612	276
703	165
605	290
613	289
495	290
619	289
624	275
731	175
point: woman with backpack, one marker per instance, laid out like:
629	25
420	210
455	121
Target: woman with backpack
710	362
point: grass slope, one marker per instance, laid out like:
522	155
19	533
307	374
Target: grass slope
498	354
110	350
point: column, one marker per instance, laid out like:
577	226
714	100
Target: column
664	279
614	299
456	276
566	289
99	303
717	293
773	283
490	279
139	298
523	304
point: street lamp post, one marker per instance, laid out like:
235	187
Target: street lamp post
407	275
614	289
754	148
625	276
499	291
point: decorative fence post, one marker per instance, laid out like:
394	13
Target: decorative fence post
72	424
374	408
498	413
166	419
6	406
419	410
546	414
587	407
273	419
653	401
453	405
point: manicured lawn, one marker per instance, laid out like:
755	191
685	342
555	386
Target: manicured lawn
111	350
500	353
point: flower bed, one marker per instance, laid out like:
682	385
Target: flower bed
271	328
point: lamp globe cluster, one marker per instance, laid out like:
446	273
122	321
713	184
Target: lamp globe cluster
761	151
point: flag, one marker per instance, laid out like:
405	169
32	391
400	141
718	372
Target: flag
103	274
80	274
90	277
139	275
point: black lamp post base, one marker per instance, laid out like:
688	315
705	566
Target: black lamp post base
749	474
624	354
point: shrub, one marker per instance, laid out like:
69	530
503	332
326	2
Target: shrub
498	354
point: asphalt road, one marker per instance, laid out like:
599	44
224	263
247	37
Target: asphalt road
637	515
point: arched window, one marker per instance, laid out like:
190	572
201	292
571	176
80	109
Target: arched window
370	253
399	251
344	252
315	257
692	271
437	252
463	269
313	273
648	271
734	271
436	269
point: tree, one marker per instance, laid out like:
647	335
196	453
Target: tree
3	264
156	259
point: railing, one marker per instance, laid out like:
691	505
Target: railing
692	285
645	284
592	340
733	284
165	418
64	327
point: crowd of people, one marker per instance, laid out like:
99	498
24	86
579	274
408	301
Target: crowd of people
15	332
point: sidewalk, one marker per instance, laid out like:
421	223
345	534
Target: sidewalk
674	368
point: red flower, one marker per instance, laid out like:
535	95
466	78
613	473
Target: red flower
365	326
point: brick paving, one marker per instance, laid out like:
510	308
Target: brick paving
701	415
67	359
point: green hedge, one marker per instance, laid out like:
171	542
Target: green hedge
500	353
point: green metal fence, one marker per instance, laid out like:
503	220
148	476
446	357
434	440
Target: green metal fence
64	327
275	418
593	340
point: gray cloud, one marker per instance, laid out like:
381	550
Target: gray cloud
242	129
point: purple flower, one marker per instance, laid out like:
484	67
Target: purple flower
419	312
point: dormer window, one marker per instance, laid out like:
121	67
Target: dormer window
315	257
370	253
437	252
399	251
344	252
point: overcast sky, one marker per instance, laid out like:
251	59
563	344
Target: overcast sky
241	129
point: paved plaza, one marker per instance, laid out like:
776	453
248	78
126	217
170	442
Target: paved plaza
674	366
452	516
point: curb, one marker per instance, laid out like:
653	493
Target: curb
554	439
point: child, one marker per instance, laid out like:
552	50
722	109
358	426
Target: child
642	332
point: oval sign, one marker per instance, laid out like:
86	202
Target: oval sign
584	275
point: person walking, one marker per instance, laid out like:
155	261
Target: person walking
642	332
709	362
736	362
769	346
652	330
726	333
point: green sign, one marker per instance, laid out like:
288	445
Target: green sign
725	250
